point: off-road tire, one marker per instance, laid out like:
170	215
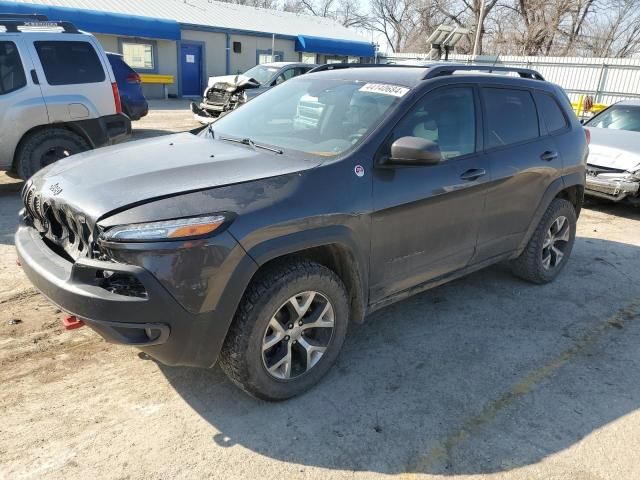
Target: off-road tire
33	147
528	265
241	355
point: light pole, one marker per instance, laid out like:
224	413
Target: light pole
476	44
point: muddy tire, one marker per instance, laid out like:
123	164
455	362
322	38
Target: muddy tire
44	147
550	246
288	330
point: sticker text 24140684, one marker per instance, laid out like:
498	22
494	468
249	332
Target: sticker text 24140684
385	89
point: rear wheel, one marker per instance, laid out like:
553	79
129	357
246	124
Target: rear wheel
550	245
45	147
288	330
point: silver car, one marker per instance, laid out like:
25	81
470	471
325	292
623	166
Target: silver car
613	167
58	94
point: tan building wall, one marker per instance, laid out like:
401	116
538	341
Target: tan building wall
241	62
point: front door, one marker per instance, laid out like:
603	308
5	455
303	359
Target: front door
426	218
191	68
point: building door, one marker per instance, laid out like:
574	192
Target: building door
191	67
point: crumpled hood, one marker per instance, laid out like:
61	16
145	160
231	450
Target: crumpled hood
611	148
232	81
100	181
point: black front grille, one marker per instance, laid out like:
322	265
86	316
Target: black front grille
218	96
59	224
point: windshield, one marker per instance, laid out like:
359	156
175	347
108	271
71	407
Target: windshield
313	115
260	73
618	118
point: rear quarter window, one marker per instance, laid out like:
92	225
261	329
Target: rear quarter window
511	116
551	112
12	76
69	63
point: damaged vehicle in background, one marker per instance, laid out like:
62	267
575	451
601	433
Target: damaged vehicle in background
228	92
613	169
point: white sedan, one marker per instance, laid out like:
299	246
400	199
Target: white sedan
613	167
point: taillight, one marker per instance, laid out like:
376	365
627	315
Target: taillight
587	133
116	97
133	77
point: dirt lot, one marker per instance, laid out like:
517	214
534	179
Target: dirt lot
487	377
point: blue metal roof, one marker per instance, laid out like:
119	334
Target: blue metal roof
334	46
101	22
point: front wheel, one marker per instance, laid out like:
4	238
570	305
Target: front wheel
288	331
550	246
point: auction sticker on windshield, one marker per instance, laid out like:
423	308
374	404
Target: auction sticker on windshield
385	89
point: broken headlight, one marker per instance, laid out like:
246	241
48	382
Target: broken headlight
178	229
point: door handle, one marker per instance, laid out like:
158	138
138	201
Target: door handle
473	174
34	77
548	156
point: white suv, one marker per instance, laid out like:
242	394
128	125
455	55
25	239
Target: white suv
58	94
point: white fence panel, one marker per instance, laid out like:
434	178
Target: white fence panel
607	79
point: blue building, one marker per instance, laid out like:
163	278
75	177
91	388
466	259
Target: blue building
190	41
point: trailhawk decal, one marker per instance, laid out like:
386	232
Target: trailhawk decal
385	89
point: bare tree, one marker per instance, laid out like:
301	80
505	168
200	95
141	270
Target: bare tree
347	12
396	20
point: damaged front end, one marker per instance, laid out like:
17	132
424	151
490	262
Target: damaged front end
222	95
613	184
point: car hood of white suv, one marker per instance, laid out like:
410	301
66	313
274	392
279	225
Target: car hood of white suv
619	149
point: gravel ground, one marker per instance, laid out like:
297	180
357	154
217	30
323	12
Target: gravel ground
487	377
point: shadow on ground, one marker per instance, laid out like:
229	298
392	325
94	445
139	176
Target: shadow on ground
482	375
624	210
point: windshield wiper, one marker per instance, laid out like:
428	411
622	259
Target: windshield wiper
251	143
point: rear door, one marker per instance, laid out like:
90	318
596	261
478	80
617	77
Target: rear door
74	76
21	103
523	160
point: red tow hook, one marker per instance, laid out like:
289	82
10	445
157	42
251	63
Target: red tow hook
70	322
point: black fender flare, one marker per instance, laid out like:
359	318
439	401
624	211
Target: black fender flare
557	186
332	235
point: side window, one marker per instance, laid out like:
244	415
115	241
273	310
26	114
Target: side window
551	113
286	75
12	76
69	63
510	115
447	117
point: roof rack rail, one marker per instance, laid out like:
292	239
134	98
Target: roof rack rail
24	16
342	66
446	69
12	26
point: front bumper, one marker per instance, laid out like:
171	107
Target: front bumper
614	188
157	324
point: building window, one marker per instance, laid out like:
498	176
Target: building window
353	59
237	47
264	56
306	57
139	55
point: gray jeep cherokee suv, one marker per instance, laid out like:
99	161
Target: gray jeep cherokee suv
260	238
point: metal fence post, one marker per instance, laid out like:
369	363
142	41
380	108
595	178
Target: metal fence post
601	80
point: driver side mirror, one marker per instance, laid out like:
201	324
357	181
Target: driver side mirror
414	151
